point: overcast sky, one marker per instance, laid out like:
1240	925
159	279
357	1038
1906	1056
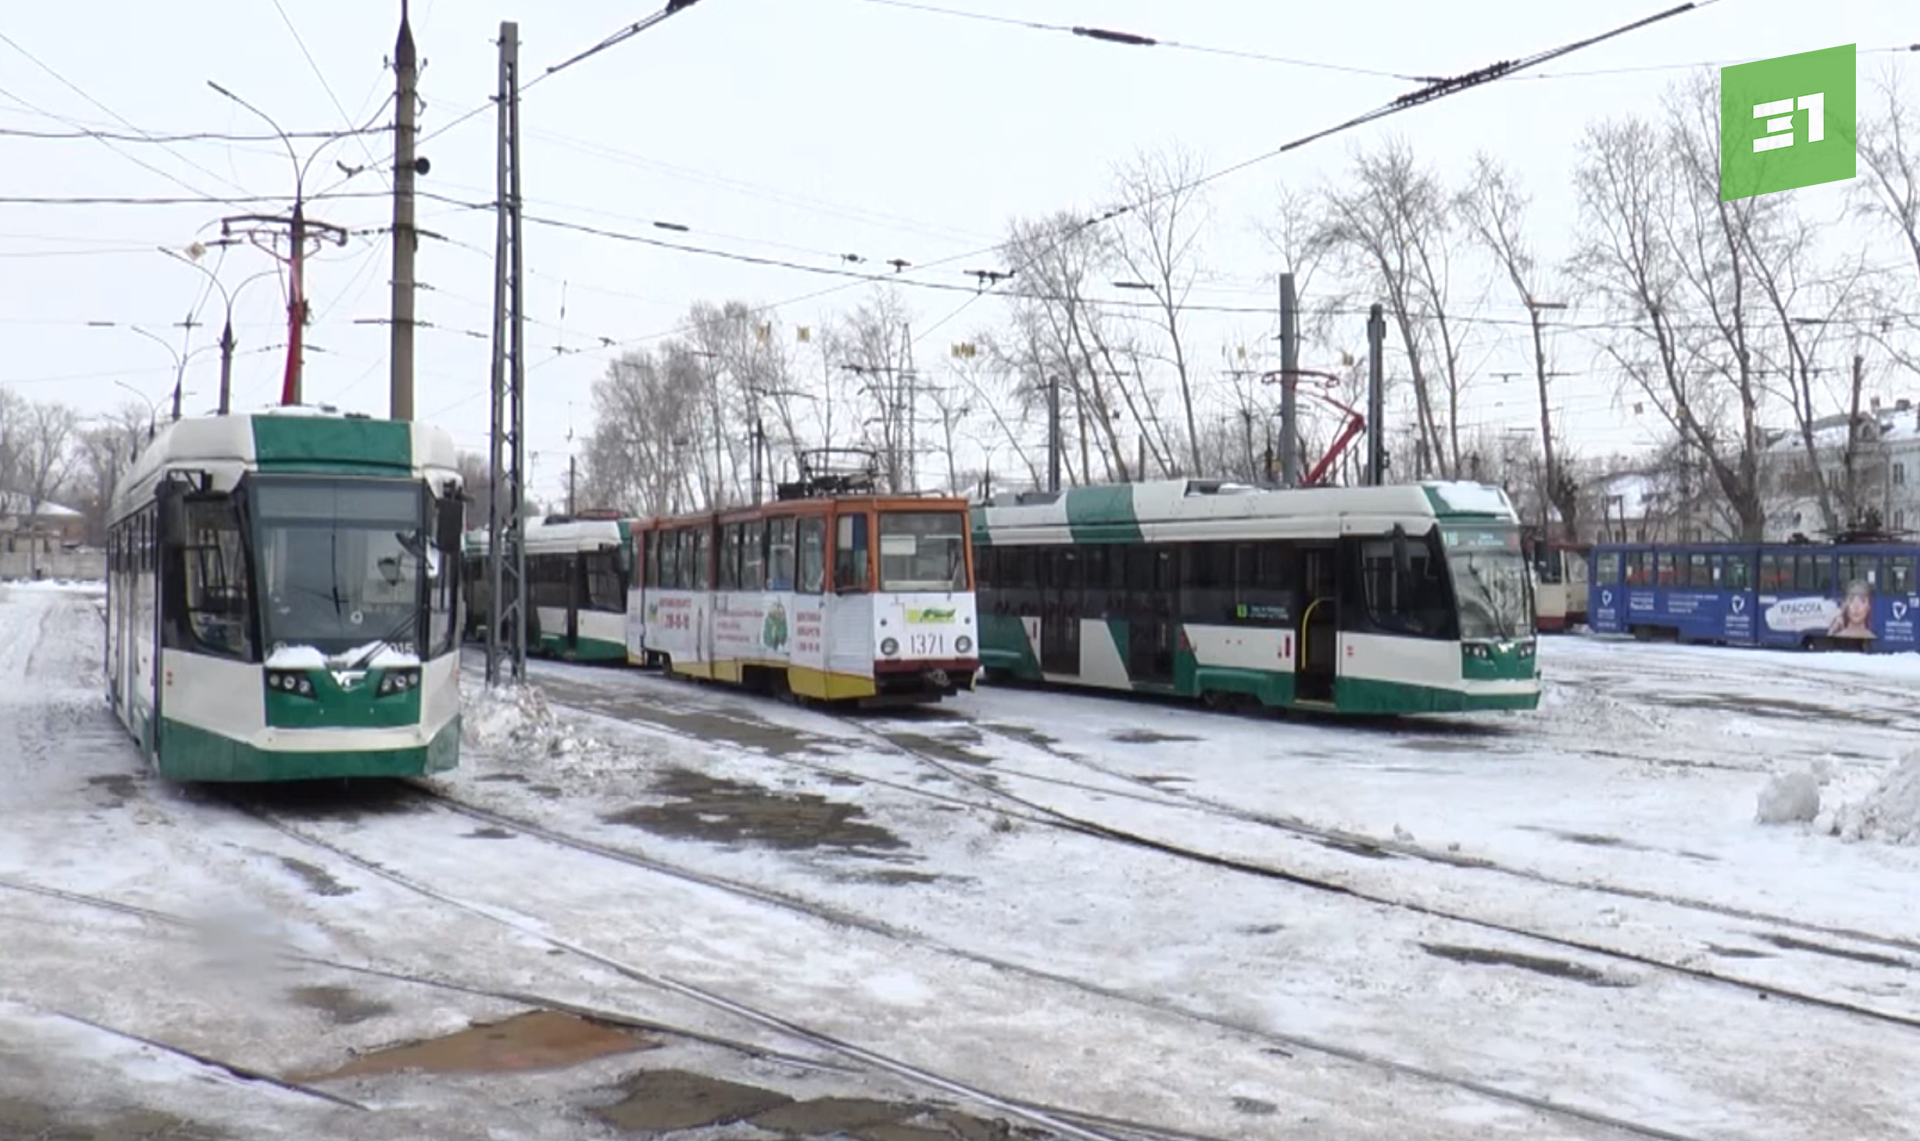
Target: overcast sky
791	129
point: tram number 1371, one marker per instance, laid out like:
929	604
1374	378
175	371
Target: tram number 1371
926	645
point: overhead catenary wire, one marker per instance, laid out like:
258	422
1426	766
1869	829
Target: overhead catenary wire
1110	36
301	43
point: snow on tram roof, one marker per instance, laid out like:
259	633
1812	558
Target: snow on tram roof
1195	500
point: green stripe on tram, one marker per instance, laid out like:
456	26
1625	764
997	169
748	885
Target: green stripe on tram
322	444
190	753
1103	514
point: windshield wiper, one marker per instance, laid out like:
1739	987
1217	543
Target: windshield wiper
385	642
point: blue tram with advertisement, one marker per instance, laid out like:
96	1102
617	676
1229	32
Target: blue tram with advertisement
1856	596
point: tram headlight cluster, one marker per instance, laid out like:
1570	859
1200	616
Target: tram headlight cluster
889	647
398	681
289	681
963	644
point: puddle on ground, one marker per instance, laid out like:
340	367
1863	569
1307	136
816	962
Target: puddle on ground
120	786
488	833
549	791
1255	1106
1025	734
665	1101
895	877
502	778
28	1120
713	808
1262	929
317	879
343	1005
1147	737
1553	968
1789	943
539	1040
948	748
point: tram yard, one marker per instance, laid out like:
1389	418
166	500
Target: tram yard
1077	915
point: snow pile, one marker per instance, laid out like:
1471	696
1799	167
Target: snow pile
518	719
1891	812
1791	798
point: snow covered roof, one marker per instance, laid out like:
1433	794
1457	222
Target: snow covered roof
15	503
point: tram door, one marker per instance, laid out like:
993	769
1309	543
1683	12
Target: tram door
1318	604
1151	589
1060	612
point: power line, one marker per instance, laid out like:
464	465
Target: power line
65	82
1132	40
161	200
1898	49
328	88
182	137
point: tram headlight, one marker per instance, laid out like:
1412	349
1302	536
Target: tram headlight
889	647
290	682
963	644
398	681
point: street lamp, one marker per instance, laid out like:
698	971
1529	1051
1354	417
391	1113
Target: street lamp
179	360
227	342
296	285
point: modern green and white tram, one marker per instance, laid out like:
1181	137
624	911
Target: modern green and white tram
283	598
579	569
1374	600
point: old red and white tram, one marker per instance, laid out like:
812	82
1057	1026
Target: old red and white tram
831	592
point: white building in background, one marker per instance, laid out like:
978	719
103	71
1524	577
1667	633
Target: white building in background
1886	473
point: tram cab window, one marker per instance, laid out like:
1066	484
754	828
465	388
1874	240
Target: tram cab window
1739	574
1415	604
780	554
850	554
923	550
1900	576
211	612
811	540
753	555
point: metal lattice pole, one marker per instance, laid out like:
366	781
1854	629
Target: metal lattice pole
506	559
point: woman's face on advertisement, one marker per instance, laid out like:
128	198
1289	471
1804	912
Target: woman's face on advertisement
1859	609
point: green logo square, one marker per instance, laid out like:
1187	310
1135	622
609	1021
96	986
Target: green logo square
1788	122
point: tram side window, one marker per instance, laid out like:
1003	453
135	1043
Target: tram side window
753	555
1669	573
1700	570
780	554
1813	573
730	557
1607	568
1415	605
210	612
1860	568
650	576
1639	568
1262	584
986	562
850	554
1206	581
604	590
700	567
1775	573
1900	576
811	538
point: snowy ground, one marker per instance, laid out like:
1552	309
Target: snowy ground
1095	917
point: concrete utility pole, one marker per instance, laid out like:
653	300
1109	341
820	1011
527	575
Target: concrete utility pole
1546	417
1376	396
1289	381
506	530
406	240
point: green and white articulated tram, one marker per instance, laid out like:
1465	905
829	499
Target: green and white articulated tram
579	569
283	598
1372	600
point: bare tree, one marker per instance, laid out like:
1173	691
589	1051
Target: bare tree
874	344
1659	249
1393	228
649	421
1158	243
1495	209
13	419
103	454
47	456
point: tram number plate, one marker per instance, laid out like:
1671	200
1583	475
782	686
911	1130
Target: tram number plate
926	645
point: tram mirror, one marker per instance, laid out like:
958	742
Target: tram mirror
173	511
450	517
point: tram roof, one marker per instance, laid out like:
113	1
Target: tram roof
1117	512
295	440
557	535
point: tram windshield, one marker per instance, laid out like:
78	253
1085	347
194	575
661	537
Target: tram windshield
343	564
1490	582
923	550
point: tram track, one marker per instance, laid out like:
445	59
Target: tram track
1287	1042
1031	810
